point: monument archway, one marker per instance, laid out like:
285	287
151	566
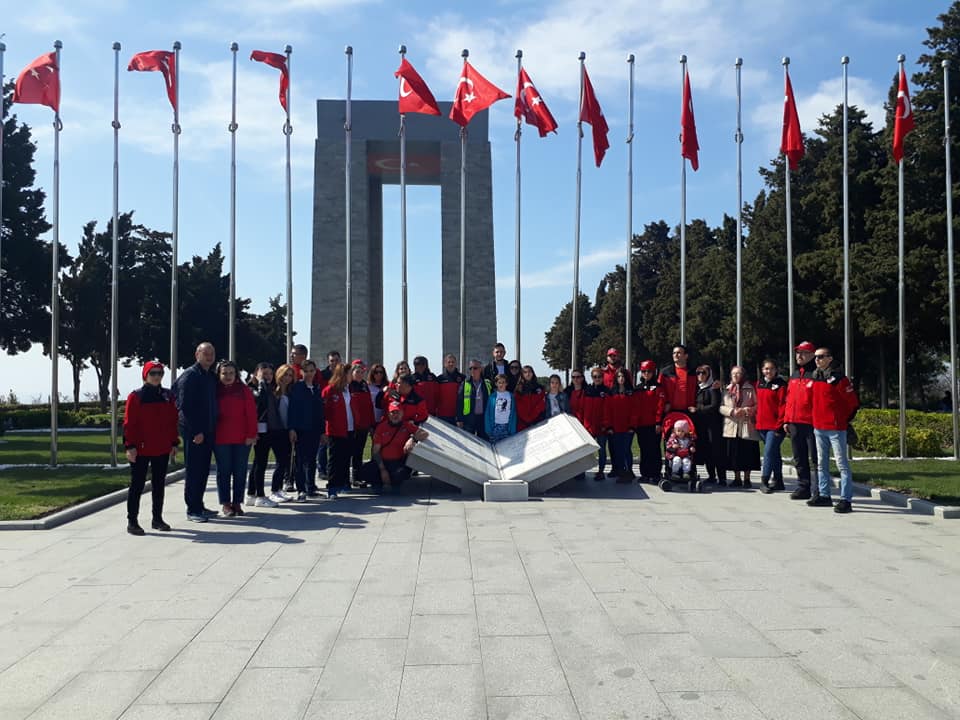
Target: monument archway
433	158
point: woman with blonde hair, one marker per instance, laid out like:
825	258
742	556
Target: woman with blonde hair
282	483
740	436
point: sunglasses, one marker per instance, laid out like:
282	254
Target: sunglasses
577	377
702	372
821	357
476	367
157	373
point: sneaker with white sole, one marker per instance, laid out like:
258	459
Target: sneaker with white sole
301	497
251	501
277	498
264	502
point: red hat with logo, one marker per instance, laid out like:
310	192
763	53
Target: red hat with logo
806	346
612	351
393	406
648	365
151	365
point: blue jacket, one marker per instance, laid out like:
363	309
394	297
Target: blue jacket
490	413
563	400
306	409
196	394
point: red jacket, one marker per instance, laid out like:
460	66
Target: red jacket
649	401
446	397
771	404
835	402
610	375
335	411
150	421
414	407
426	386
392	438
800	396
620	412
678	397
361	405
236	414
594	404
575	398
530	406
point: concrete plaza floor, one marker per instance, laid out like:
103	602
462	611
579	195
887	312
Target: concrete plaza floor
599	601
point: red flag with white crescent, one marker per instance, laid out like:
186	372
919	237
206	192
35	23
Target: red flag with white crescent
414	95
474	93
39	83
689	145
531	107
903	120
163	61
280	63
590	112
791	141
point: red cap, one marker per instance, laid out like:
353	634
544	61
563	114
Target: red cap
648	365
613	351
394	406
150	365
358	362
806	346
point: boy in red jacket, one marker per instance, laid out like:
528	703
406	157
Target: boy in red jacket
150	437
649	399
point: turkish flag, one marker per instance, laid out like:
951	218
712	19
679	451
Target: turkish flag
39	83
280	63
414	96
165	62
590	112
531	107
903	119
689	145
474	93
791	142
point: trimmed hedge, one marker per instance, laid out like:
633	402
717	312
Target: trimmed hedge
21	418
928	434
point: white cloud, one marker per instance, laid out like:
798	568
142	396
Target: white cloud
561	274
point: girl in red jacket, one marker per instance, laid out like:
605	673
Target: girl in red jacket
338	413
236	434
619	420
528	396
363	421
151	438
771	405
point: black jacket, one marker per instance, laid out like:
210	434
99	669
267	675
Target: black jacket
196	394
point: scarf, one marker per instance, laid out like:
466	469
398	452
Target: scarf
819	374
708	382
734	389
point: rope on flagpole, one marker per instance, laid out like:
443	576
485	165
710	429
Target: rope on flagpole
786	173
738	139
174	270
683	222
287	132
463	234
847	332
348	129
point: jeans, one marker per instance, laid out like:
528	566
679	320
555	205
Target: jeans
138	478
196	458
602	442
772	461
837	439
804	455
232	461
620	450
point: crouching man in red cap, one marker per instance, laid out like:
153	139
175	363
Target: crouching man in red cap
150	437
393	439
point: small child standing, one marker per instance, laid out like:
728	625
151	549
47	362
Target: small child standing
500	417
680	450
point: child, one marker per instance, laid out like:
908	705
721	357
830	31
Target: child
500	419
680	451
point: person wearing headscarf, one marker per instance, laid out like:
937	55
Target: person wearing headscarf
740	436
709	425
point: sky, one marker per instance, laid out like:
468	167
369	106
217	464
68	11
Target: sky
711	33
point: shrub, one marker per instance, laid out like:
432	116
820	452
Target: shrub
928	434
21	418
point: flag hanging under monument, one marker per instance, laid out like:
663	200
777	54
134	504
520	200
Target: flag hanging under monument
280	63
590	112
163	61
39	83
689	145
414	94
474	94
531	107
791	141
903	120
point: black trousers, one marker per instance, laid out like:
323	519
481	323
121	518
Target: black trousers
804	455
138	478
279	442
359	443
649	442
306	469
338	466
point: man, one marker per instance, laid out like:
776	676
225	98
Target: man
472	399
393	440
321	379
413	405
614	363
679	384
196	394
835	403
497	366
798	421
298	354
425	382
448	385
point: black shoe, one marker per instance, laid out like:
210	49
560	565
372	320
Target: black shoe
820	501
159	524
747	484
736	483
800	494
765	482
843	506
768	488
721	482
778	484
691	486
208	513
599	476
666	485
134	529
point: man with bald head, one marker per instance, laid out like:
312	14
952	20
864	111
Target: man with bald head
196	394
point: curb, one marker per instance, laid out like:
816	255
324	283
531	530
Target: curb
892	497
74	512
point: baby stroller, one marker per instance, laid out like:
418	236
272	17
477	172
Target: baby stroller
666	484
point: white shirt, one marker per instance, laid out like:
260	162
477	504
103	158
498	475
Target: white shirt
346	404
554	404
502	402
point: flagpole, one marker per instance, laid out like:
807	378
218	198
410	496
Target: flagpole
403	222
683	221
174	288
738	138
55	274
847	333
628	301
901	302
463	234
287	132
3	49
786	173
516	251
114	283
348	129
945	64
576	232
232	335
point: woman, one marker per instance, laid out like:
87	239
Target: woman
270	435
709	425
338	415
377	384
740	437
500	416
555	400
771	404
402	368
649	402
282	482
513	374
150	437
575	392
306	430
236	433
619	418
363	419
528	395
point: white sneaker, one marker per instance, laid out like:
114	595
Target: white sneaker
302	497
264	502
250	501
277	498
285	495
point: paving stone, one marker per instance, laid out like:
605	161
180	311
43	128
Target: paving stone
639	612
532	707
445	566
273	583
149	646
675	662
322	599
297	642
442	692
509	615
723	633
710	706
367	670
889	704
202	673
242	619
932	677
521	666
339	567
378	616
443	640
453	597
180	711
826	657
95	695
280	694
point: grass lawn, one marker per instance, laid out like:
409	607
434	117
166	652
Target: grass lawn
937	480
72	448
27	493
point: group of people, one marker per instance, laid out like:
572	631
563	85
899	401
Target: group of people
317	421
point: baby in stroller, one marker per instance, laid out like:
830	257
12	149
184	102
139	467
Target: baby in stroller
680	452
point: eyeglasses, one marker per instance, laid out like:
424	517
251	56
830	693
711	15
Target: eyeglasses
822	357
476	367
597	377
157	373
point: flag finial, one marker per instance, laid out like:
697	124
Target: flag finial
116	46
288	49
402	50
901	57
519	54
464	54
177	45
57	44
943	63
683	59
348	50
785	61
234	47
845	60
582	56
630	58
738	62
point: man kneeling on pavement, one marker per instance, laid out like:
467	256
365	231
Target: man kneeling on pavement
393	439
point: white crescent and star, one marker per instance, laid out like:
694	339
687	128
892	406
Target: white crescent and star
535	100
402	93
907	107
469	96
